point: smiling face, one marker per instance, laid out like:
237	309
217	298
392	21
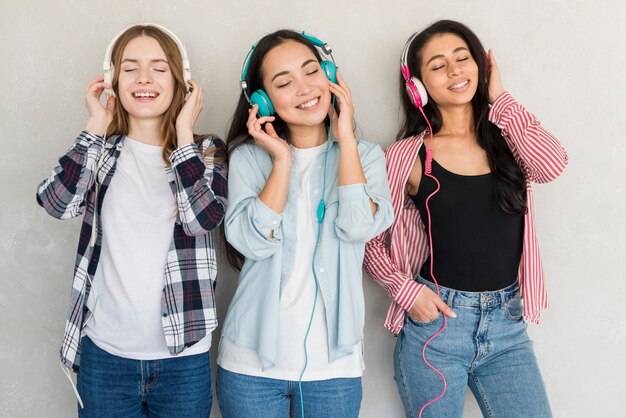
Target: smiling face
296	84
145	85
448	70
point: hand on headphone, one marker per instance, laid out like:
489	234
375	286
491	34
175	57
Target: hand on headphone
427	306
189	114
266	136
495	83
343	124
99	116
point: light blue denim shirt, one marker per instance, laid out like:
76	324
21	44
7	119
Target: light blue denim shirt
267	240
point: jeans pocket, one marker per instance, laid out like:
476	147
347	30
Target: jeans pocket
423	324
514	308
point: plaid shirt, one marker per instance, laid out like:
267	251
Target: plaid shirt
199	186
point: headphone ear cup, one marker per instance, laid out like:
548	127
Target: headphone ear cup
416	92
261	99
108	78
330	69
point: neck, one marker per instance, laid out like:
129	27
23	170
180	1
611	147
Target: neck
147	131
308	136
457	120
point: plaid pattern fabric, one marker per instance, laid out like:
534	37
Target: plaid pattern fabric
199	186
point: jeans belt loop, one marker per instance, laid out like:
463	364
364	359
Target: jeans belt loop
502	299
450	298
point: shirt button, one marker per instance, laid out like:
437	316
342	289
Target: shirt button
315	191
322	270
274	222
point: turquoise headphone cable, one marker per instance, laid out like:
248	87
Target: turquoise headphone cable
321	211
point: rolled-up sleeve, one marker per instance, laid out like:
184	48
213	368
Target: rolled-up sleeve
355	220
251	227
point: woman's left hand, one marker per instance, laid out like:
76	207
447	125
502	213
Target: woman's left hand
189	114
343	124
495	82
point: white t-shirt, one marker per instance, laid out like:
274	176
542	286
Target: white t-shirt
138	215
296	304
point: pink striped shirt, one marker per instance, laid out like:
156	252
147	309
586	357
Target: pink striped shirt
394	257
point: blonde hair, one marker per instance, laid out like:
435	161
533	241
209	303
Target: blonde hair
119	125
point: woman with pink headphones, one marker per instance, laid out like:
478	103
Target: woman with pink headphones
461	260
150	192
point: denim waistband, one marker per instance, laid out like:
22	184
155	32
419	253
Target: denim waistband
454	297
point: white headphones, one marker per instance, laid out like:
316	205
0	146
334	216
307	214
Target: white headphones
109	68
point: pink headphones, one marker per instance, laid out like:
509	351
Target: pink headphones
414	87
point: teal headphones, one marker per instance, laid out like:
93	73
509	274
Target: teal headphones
260	97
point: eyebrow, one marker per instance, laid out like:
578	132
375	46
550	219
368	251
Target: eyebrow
461	48
304	64
136	61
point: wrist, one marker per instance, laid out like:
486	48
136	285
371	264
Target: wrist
494	97
347	143
96	126
184	137
283	159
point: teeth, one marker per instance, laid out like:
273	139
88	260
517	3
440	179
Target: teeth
308	104
144	94
459	85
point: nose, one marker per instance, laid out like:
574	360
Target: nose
302	87
454	69
144	76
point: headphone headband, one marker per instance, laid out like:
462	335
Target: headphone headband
108	67
404	61
414	87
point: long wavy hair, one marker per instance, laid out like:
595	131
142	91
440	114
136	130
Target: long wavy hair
508	179
238	132
120	125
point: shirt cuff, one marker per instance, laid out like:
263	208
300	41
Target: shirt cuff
356	191
267	220
408	293
499	107
87	139
184	153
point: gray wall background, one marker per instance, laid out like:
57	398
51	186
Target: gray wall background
563	59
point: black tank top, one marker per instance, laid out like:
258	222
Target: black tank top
477	246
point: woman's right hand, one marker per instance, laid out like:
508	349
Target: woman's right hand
99	116
266	136
427	306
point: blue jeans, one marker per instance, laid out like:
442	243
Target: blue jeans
240	395
485	347
112	386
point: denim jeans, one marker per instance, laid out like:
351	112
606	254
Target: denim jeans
240	395
485	347
112	386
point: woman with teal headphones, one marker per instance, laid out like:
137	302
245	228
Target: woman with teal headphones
305	196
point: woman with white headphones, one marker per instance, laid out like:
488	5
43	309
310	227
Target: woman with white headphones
142	305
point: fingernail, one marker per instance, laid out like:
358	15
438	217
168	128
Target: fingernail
452	314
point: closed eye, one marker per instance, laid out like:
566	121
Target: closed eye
313	72
280	86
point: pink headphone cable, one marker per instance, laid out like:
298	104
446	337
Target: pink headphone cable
427	171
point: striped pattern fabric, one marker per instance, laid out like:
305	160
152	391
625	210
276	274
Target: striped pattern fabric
394	257
199	186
